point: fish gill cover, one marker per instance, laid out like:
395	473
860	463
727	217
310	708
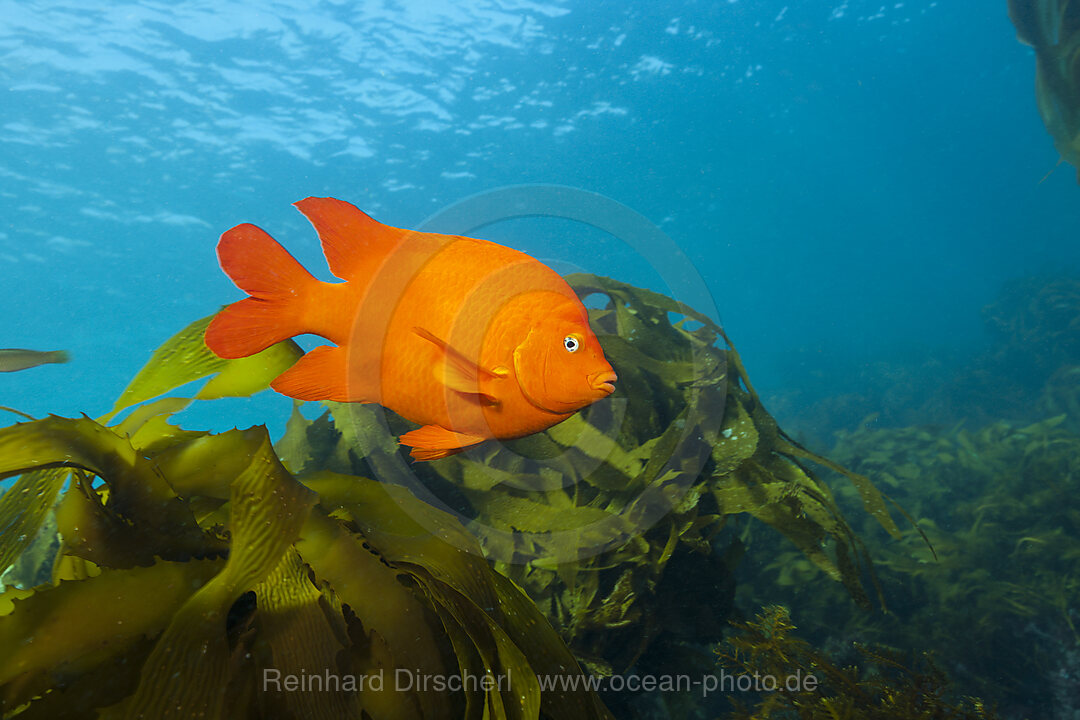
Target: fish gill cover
207	559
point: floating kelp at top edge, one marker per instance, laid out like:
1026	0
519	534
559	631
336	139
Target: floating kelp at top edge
184	358
1052	28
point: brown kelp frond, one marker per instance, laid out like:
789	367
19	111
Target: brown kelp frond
341	583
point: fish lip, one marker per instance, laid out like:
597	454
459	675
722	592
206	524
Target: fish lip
604	381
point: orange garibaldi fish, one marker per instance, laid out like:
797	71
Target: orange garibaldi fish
470	339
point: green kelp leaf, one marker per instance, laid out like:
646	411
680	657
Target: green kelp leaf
35	565
482	478
187	673
806	535
738	440
364	433
779	505
24	508
514	693
97	685
151	413
371	587
585	284
468	659
436	550
50	631
145	515
444	560
404	529
208	464
578	433
297	637
624	354
533	517
148	427
243	377
548	655
293	448
184	358
872	498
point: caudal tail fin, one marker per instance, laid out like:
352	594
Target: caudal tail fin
278	287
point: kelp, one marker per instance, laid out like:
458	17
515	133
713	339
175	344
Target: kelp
223	558
185	358
587	516
1052	28
796	680
176	529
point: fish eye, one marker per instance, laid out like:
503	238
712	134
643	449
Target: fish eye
571	343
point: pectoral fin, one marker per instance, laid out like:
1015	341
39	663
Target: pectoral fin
432	442
458	372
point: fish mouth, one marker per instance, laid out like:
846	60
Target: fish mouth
604	382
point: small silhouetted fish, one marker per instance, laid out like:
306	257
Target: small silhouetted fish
15	359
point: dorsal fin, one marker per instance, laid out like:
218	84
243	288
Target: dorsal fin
354	243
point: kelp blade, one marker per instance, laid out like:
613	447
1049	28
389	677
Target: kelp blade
185	358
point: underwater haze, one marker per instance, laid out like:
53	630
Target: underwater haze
849	178
869	199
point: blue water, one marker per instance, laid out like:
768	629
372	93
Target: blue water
851	179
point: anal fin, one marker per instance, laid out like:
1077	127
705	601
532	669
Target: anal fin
433	442
322	374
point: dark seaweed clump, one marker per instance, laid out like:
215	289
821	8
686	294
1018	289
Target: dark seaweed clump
800	682
160	572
